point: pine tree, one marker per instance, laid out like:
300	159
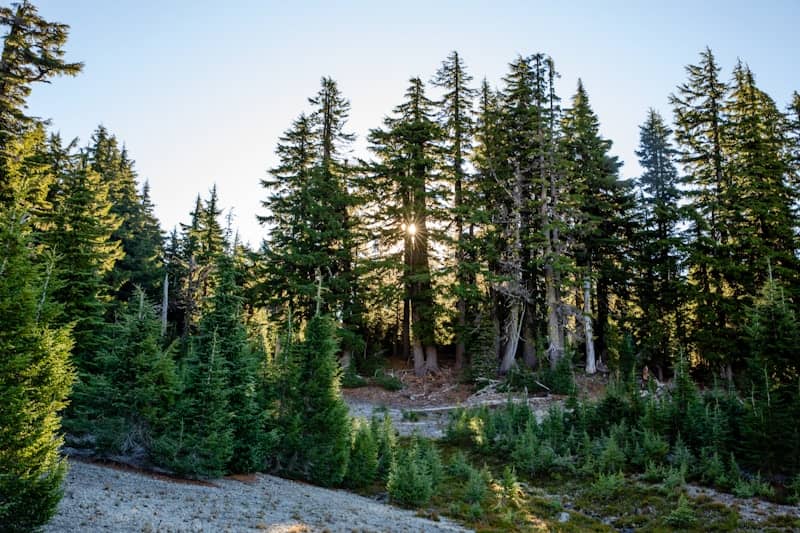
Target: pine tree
699	123
311	220
602	220
227	319
762	203
322	414
404	180
80	234
35	378
132	395
657	242
455	120
32	52
138	232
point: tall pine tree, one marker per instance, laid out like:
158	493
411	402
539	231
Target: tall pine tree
657	242
410	200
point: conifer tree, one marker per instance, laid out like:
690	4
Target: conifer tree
321	413
404	179
699	123
657	243
773	384
80	234
227	319
288	219
311	221
138	233
602	220
518	123
32	52
35	377
455	119
762	202
132	395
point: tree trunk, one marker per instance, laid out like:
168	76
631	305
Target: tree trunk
555	350
591	364
431	360
462	326
164	305
406	333
512	336
529	354
419	359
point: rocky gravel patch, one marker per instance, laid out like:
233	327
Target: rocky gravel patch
99	498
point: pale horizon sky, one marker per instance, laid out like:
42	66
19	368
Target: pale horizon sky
201	91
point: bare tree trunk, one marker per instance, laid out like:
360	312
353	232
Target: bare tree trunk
591	364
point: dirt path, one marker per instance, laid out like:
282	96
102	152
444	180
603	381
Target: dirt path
99	498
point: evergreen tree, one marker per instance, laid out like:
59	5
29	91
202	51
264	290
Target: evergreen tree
32	52
762	202
200	442
518	122
407	200
138	233
699	124
322	415
292	235
130	398
773	384
455	120
227	320
603	219
35	378
657	243
80	234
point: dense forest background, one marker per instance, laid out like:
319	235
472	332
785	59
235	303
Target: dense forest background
489	229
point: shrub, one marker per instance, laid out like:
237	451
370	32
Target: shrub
459	467
712	468
389	382
410	482
654	473
753	487
429	456
654	447
351	379
682	516
386	443
508	490
675	478
612	458
608	486
559	379
363	465
476	487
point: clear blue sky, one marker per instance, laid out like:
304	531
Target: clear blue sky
200	91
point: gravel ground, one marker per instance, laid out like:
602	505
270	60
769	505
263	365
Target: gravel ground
99	498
